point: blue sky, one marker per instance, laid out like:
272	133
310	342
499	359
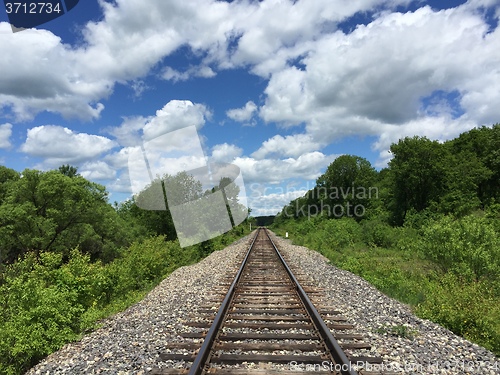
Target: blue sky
279	88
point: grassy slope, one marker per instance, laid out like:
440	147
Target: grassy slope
468	308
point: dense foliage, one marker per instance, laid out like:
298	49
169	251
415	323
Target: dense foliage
429	233
69	258
55	212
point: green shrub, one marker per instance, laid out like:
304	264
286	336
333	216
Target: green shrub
40	314
47	303
353	265
408	241
378	233
468	309
420	219
341	233
469	245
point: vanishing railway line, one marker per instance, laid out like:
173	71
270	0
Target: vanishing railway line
267	319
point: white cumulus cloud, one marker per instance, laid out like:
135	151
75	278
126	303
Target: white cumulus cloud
374	81
290	145
40	73
198	71
97	170
175	115
5	133
60	145
308	166
243	114
225	153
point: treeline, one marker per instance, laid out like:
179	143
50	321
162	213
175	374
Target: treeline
424	230
57	211
424	178
264	221
69	258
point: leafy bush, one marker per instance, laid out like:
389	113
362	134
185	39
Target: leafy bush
342	232
468	309
48	301
468	245
408	241
40	311
378	233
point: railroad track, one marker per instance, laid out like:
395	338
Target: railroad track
266	323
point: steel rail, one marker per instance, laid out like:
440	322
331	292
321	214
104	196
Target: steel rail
203	355
332	344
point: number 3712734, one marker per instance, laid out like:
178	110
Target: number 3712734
33	8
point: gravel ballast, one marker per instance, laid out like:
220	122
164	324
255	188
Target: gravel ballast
130	342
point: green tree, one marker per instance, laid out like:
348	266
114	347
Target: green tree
465	174
418	173
182	188
151	210
49	211
68	170
151	207
230	193
7	176
482	145
348	181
